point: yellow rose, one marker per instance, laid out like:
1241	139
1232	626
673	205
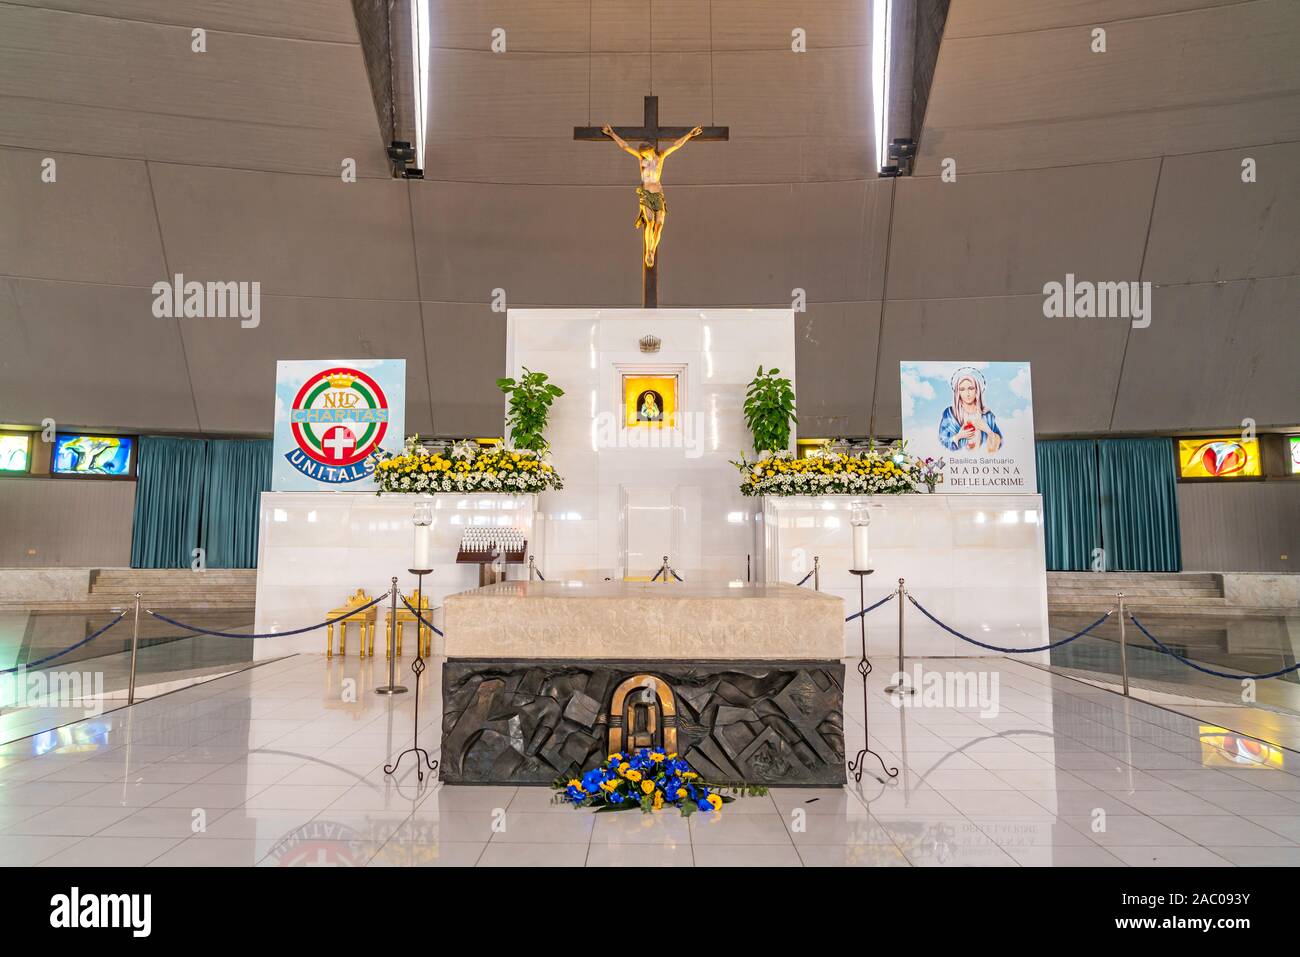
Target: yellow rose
681	792
647	787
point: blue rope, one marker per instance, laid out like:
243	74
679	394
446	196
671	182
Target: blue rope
804	579
1209	671
539	573
59	654
675	575
424	621
269	634
1008	651
859	614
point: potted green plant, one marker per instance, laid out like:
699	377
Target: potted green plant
530	399
769	411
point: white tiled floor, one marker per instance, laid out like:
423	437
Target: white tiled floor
283	765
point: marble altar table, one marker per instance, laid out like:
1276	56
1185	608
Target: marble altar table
543	679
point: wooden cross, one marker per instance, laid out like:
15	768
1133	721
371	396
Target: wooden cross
650	132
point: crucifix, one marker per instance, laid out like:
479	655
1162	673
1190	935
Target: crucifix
650	195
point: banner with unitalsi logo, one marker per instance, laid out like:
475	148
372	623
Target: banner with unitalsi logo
330	416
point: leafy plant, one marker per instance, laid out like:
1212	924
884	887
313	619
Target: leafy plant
769	410
530	406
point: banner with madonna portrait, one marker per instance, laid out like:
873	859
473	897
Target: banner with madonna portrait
978	417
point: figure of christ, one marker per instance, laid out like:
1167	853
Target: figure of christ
650	194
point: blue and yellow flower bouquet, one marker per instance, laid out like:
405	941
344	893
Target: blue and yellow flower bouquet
649	780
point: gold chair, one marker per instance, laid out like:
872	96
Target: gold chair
367	618
423	634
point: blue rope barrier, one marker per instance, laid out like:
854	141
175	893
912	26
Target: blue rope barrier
59	654
424	621
1007	651
804	579
268	634
859	614
1209	671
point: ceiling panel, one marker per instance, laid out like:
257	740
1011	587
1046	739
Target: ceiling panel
544	245
95	223
132	88
327	20
766	24
1209	225
466	345
90	356
997	234
749	245
233	368
835	351
967	18
510	119
1075	362
553	27
1214	355
1211	78
297	235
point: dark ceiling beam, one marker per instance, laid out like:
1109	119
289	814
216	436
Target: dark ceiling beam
384	27
927	21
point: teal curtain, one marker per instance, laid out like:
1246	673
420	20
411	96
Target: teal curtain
1139	505
168	502
238	471
199	493
1067	480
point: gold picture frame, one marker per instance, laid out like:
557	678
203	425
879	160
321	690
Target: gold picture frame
650	400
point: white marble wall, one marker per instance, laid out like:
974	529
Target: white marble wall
975	561
622	503
317	548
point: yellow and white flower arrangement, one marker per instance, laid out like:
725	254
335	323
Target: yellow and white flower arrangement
462	467
888	471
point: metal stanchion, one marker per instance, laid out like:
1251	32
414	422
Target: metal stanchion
817	573
532	569
1123	643
900	688
135	648
393	687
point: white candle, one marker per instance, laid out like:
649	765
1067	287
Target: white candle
860	557
423	547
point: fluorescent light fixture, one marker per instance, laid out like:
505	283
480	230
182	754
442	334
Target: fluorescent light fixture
420	73
880	24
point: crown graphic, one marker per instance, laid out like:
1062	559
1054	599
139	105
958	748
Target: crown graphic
341	380
650	343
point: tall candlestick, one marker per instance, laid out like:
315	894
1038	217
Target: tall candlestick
423	547
861	559
423	520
